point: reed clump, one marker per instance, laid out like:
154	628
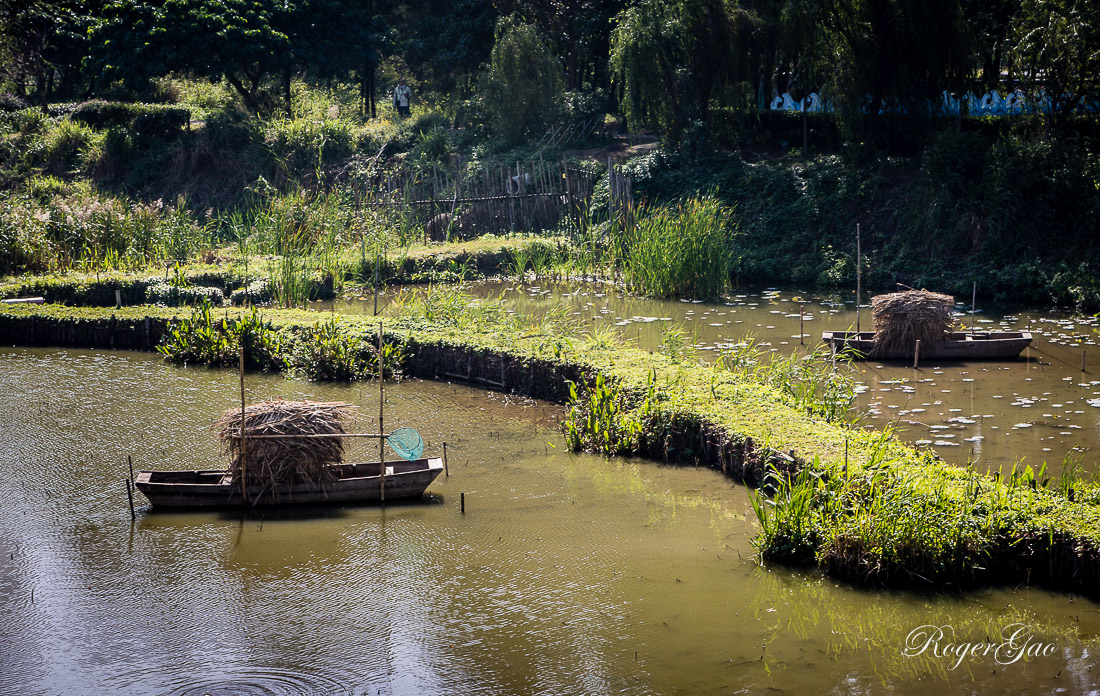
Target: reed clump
903	318
274	462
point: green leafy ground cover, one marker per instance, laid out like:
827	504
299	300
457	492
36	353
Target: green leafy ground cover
419	263
858	503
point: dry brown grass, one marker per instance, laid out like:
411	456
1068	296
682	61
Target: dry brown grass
291	460
903	318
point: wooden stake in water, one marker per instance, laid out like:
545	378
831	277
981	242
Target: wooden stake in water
462	503
381	424
802	324
916	354
130	462
130	495
974	308
244	441
377	263
446	471
859	274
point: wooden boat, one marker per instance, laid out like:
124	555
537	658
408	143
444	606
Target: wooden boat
961	345
351	483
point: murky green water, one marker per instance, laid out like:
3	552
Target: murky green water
1039	408
567	574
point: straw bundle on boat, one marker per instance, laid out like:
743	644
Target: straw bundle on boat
901	318
273	462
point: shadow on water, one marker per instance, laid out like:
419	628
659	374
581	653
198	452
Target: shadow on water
150	517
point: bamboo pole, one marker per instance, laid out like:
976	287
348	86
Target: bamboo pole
446	470
381	407
802	324
973	308
859	274
244	440
312	436
916	354
130	496
377	264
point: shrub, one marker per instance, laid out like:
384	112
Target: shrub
9	102
579	106
66	148
255	292
303	146
145	119
24	121
434	148
163	292
103	114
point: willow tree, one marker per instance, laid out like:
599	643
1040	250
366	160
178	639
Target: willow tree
523	85
670	60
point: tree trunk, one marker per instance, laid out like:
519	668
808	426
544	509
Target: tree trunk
362	90
40	89
246	96
372	92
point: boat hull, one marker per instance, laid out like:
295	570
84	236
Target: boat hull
961	345
351	483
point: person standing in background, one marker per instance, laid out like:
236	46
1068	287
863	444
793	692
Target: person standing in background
401	97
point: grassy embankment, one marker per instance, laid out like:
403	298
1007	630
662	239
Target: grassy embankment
263	276
1001	202
857	503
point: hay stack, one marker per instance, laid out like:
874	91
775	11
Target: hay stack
901	318
293	460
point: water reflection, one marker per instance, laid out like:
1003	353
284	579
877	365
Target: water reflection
567	574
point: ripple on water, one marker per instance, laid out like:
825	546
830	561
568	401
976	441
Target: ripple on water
266	682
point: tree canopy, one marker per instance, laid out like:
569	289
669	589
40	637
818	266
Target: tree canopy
669	62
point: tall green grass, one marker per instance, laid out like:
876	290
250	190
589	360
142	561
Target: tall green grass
304	233
678	250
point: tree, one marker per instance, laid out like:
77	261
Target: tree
45	40
239	40
892	56
523	84
669	60
1058	52
335	39
988	25
580	31
444	40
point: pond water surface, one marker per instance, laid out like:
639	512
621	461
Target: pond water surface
568	574
1039	408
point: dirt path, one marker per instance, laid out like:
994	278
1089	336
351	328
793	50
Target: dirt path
624	148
